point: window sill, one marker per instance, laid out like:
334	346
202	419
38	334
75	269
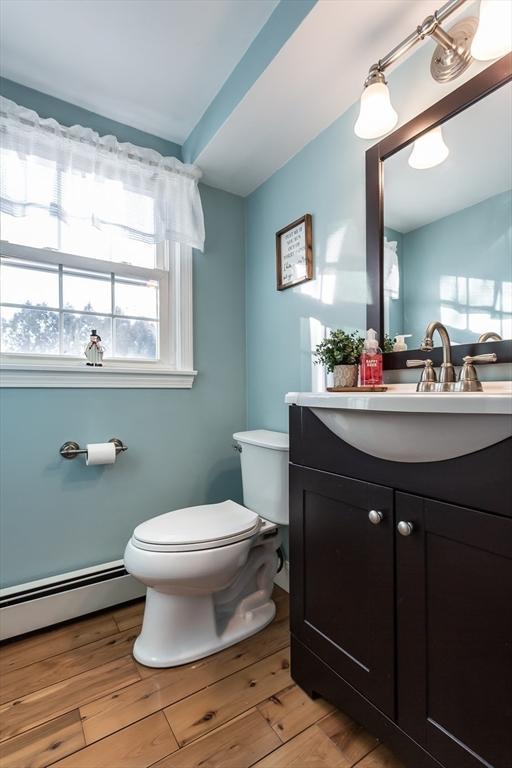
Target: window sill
110	376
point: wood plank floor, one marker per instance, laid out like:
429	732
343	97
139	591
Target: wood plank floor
73	697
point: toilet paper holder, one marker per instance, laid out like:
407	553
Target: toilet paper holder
70	449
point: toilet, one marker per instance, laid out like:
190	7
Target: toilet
209	570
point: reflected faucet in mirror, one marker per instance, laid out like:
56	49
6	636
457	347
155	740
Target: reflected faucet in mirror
489	336
447	372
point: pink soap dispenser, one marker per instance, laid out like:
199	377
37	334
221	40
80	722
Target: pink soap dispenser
371	361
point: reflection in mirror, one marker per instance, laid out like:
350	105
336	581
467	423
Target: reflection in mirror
448	227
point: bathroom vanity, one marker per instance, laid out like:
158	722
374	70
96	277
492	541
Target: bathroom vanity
401	502
401	569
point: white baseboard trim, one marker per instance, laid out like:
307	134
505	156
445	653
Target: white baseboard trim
282	579
46	602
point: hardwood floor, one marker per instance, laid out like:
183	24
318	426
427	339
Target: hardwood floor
73	697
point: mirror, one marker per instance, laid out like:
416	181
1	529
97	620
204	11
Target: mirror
448	228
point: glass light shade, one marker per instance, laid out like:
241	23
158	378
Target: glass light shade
493	37
429	150
376	116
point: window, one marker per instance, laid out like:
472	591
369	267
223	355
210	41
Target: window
82	250
50	309
50	301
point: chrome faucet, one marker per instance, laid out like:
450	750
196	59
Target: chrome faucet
447	372
489	336
468	380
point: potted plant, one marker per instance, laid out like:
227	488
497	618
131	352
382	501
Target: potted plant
340	353
389	343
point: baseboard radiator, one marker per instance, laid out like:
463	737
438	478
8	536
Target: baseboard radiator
46	602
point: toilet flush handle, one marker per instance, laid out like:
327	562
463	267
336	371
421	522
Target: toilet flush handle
237	447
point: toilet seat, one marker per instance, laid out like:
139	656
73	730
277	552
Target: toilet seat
197	528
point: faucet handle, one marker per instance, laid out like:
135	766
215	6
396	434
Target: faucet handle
491	357
428	375
468	379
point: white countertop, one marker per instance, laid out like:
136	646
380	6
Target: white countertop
495	399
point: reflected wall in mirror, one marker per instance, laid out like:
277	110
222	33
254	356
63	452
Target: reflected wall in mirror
448	228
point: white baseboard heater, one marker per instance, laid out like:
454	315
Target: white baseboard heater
43	603
46	602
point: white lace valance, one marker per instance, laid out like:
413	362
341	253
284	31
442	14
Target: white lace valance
162	199
391	269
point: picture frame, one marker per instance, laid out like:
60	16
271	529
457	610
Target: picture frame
294	253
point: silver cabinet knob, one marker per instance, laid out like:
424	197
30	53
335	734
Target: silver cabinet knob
375	516
404	528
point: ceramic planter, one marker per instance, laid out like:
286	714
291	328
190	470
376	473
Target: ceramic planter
345	376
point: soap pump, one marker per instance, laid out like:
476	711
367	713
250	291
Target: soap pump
400	345
371	361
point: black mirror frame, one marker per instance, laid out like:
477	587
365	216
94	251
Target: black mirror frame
487	81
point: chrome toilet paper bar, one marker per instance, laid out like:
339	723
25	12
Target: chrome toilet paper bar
70	449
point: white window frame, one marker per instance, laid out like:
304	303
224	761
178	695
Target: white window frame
173	370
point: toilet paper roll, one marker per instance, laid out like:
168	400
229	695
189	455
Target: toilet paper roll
100	453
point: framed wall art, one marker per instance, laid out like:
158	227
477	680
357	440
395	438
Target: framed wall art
294	253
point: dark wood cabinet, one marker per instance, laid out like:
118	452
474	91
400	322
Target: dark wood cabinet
345	578
454	632
409	634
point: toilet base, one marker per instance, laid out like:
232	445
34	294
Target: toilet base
164	643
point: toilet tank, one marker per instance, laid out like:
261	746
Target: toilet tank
264	459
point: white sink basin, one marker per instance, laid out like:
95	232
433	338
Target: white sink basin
408	426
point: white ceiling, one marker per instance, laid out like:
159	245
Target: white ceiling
152	64
317	75
479	166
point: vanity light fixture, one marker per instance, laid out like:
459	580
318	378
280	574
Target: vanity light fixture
429	150
494	34
487	38
376	115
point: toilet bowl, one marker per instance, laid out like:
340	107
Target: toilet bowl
209	570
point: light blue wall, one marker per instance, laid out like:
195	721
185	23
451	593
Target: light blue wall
57	515
476	244
327	182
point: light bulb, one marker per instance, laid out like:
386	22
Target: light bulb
493	37
429	150
376	116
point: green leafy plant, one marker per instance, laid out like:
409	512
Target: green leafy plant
388	343
339	348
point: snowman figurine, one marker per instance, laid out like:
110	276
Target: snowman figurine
94	350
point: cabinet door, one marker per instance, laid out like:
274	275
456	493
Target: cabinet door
454	632
341	569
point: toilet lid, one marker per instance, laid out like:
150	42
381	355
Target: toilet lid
199	525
